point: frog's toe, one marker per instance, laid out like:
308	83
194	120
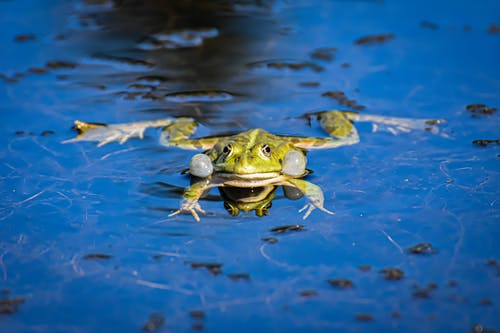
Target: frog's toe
192	208
309	207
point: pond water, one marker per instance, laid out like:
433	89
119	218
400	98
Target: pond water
86	244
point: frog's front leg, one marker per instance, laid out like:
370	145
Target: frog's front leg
313	193
191	196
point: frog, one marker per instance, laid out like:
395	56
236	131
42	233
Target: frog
255	161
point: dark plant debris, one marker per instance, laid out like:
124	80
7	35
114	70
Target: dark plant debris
341	283
292	65
154	322
287	228
59	64
477	110
478	328
422	248
197	314
213	268
10	305
494	29
239	276
24	37
270	240
424	292
365	268
342	99
308	293
392	274
97	256
429	25
485	142
374	39
486	301
324	53
364	317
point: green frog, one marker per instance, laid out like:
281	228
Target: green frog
255	161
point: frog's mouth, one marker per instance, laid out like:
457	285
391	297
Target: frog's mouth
249	176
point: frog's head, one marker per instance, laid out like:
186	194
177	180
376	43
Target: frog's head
261	157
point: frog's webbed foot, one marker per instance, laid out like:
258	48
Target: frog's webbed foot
310	206
191	207
313	193
400	125
104	133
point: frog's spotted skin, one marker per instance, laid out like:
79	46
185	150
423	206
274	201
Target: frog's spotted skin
251	159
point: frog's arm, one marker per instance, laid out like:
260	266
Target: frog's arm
104	133
337	124
191	196
178	133
312	192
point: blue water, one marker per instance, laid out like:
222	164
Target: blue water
63	202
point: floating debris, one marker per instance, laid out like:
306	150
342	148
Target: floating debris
342	99
24	37
240	276
197	314
176	39
270	240
10	305
395	314
392	274
374	39
97	256
485	142
292	65
424	292
47	132
422	248
199	96
478	110
341	283
287	228
59	64
365	268
324	53
310	84
429	25
154	322
491	262
485	301
452	283
478	328
213	268
364	317
37	70
345	65
494	29
308	293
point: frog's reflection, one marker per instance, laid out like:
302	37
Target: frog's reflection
258	199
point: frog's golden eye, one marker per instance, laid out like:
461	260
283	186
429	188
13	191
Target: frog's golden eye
227	149
266	150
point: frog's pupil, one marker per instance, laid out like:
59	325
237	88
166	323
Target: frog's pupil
226	149
266	149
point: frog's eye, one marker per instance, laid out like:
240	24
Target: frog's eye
227	149
294	164
266	150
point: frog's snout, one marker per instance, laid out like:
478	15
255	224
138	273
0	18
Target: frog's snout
201	166
294	164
